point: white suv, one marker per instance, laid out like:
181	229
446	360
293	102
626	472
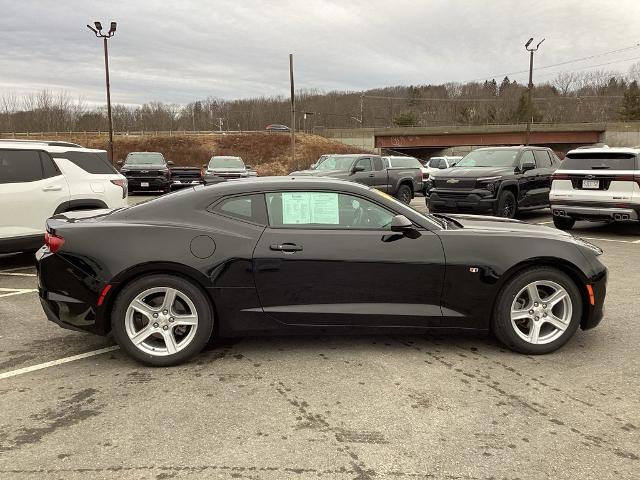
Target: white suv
40	179
599	184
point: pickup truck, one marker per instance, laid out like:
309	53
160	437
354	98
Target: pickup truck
147	171
369	170
227	167
185	176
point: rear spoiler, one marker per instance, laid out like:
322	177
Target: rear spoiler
76	216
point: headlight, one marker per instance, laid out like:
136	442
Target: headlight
588	245
488	183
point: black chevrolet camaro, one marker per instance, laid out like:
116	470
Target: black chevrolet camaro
285	255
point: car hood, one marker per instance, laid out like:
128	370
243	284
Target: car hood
136	168
474	172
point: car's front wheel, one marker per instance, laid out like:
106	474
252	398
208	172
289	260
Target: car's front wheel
537	311
162	320
507	206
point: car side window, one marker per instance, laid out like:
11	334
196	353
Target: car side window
90	162
379	163
364	163
49	168
249	208
542	158
20	166
325	210
527	157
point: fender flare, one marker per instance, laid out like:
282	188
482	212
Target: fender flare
80	204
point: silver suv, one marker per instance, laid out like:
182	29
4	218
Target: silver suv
598	184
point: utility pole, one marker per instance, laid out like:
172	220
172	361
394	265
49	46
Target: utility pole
293	115
105	36
530	88
361	110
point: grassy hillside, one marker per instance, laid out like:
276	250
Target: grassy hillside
268	153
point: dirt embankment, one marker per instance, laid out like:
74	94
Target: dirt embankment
268	153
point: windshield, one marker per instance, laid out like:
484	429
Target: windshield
489	158
404	162
335	163
226	162
145	158
599	161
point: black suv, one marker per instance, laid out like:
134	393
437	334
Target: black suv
495	180
146	171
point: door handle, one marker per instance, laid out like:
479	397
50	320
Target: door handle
372	175
52	188
285	247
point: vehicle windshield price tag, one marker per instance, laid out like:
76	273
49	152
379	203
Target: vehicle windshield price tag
310	208
595	184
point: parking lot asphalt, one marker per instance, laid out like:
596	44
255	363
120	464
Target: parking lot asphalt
351	407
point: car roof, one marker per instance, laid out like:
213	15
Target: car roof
513	147
51	147
630	150
291	182
53	143
158	153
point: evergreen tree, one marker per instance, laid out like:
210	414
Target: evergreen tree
631	102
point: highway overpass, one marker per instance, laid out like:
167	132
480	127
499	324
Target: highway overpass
424	142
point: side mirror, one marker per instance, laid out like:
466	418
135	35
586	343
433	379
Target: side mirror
169	163
204	165
313	166
119	163
248	167
526	166
357	168
400	223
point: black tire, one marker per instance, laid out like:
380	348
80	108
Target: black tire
195	295
507	205
564	223
502	326
404	194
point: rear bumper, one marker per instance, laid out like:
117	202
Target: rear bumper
474	200
69	295
185	182
592	212
23	243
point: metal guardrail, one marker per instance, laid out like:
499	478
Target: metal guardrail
99	133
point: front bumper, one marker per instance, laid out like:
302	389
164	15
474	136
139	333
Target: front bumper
594	313
148	183
591	212
466	200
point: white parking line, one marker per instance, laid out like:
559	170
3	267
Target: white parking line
14	274
14	269
7	292
60	361
611	240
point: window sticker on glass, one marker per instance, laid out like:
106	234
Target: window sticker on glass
310	208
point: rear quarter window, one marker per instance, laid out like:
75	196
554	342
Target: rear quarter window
90	162
599	161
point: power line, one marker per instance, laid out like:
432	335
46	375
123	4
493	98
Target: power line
566	62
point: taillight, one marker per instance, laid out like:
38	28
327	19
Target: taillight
53	242
122	183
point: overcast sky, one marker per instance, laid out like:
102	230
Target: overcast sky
181	51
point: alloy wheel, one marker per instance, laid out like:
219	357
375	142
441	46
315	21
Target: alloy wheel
161	321
541	312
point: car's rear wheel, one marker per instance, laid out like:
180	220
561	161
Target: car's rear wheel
564	223
507	205
404	194
162	320
537	311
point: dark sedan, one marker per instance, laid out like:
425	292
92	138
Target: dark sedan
284	255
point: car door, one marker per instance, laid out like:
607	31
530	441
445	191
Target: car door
330	259
545	169
367	175
527	180
32	188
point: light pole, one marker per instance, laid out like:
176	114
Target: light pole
530	89
294	164
105	36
